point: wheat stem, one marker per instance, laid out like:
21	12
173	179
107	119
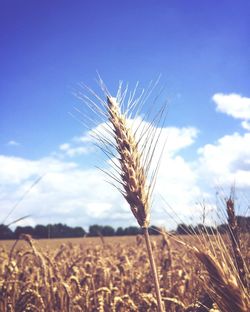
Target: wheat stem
235	240
133	179
153	269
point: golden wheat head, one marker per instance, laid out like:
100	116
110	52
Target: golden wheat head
129	142
132	172
229	295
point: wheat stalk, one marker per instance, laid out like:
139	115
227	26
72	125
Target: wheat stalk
133	179
235	241
134	156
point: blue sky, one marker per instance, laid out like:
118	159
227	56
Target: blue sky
200	48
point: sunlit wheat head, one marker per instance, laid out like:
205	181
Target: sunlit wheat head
129	142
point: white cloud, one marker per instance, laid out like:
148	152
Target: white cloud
234	105
15	170
174	138
64	147
177	182
65	193
73	151
245	125
178	138
77	196
77	151
70	194
175	174
227	160
13	143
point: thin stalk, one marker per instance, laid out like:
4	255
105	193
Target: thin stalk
153	269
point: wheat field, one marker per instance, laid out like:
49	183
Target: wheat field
108	274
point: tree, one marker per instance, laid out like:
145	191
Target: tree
132	230
154	230
108	231
24	230
41	231
5	232
119	231
79	232
243	223
182	229
95	230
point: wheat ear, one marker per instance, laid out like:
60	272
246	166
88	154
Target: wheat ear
133	179
226	292
132	173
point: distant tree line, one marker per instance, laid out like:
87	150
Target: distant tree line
42	231
184	229
98	230
60	230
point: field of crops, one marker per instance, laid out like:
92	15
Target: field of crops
101	274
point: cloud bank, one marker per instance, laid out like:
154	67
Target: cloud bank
71	194
234	105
